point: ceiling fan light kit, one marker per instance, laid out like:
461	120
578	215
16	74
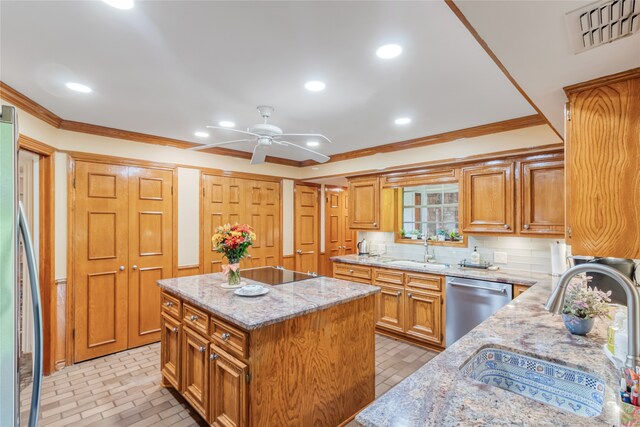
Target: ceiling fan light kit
264	135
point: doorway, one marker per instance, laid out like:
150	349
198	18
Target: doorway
306	227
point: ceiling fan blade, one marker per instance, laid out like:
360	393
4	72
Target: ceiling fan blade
313	155
215	144
232	130
259	154
315	135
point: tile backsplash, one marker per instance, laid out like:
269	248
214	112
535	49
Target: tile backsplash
523	253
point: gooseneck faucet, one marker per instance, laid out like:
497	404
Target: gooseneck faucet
555	303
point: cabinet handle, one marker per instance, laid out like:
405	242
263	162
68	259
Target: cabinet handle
225	336
122	268
569	231
506	226
526	226
351	271
410	295
399	293
135	267
169	304
194	318
175	329
375	224
214	357
201	349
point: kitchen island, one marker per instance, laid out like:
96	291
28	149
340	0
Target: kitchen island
303	354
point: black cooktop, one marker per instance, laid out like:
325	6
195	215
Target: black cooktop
274	275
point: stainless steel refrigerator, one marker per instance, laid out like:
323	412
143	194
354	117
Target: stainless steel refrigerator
13	228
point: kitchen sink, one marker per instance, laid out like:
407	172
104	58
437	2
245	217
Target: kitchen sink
431	265
568	389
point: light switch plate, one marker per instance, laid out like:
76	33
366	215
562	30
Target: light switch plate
500	257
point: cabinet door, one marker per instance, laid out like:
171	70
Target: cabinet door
542	198
603	179
228	385
423	316
364	204
390	308
195	369
170	351
488	199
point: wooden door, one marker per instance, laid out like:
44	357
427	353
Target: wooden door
349	236
101	248
334	230
222	202
195	370
602	156
423	316
390	308
150	249
364	206
542	198
170	351
488	195
306	228
262	209
228	387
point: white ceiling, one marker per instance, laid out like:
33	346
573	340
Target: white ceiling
532	41
169	68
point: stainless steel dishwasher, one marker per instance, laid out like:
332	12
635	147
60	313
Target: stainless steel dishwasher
470	302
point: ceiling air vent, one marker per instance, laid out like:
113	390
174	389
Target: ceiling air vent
603	22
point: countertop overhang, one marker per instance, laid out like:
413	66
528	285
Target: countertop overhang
282	302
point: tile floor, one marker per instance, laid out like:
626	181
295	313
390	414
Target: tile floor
124	389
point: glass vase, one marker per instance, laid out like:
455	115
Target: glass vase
233	274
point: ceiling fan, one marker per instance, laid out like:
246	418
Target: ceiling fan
264	135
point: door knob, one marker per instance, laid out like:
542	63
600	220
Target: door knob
201	349
135	267
174	330
122	268
399	293
214	357
299	251
194	318
225	336
410	295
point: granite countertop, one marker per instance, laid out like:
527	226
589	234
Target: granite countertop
282	302
437	394
504	276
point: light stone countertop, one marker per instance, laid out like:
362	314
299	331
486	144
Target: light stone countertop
437	394
282	302
504	276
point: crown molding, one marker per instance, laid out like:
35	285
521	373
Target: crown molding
633	73
25	103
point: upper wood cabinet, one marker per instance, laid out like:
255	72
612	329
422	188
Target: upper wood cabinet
603	178
364	203
541	189
488	199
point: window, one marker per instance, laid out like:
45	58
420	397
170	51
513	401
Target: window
430	210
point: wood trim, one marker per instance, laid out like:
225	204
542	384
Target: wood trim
633	73
188	270
21	101
463	19
472	132
289	262
102	158
411	340
30	144
174	206
241	175
70	324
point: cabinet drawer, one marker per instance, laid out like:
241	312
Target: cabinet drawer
230	338
196	319
171	305
422	281
352	279
352	271
388	277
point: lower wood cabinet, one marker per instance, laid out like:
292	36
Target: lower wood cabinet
390	308
195	370
519	289
228	378
423	316
170	351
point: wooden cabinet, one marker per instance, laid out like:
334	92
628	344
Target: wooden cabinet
541	198
602	157
488	199
390	308
195	370
519	289
355	273
228	378
170	351
423	316
364	203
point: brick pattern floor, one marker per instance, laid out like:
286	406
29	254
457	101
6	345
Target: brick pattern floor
123	389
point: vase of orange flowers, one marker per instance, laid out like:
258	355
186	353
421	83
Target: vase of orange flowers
233	241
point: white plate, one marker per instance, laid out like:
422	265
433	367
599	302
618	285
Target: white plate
253	291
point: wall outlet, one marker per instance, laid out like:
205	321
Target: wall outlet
500	257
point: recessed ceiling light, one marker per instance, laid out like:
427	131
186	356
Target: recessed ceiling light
313	143
201	134
226	124
78	87
315	86
389	51
403	121
120	4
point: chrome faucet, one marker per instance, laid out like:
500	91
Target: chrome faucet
427	257
555	303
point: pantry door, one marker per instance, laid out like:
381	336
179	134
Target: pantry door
100	251
150	249
263	214
306	240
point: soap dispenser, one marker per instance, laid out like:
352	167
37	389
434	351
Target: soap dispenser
475	256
